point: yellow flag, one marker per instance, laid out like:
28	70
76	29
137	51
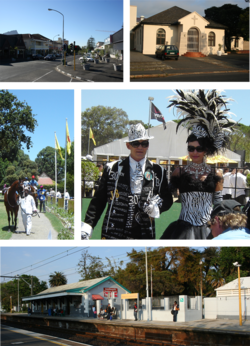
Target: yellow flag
91	135
68	139
57	147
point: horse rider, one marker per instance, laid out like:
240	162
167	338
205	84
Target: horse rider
33	182
5	188
28	207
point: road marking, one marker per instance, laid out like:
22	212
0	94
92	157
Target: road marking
42	76
71	80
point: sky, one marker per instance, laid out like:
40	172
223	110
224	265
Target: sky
82	18
51	108
148	8
135	103
62	259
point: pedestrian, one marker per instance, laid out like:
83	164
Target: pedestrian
226	192
94	311
135	311
108	310
28	207
66	198
58	195
136	191
42	198
175	311
238	184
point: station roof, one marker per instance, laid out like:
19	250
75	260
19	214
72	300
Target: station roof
72	289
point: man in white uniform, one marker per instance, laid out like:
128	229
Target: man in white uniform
28	206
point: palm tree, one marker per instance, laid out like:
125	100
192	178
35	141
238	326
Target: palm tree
57	279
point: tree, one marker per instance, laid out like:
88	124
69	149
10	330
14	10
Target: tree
107	124
91	43
90	267
16	119
57	279
244	23
45	161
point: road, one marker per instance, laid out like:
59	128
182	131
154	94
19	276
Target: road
34	71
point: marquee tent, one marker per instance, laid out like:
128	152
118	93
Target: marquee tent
167	145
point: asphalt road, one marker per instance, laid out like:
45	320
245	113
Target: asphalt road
34	71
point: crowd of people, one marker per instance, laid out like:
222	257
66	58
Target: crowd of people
137	190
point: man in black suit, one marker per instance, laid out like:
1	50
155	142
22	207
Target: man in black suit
136	191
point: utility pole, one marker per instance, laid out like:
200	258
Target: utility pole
151	282
31	286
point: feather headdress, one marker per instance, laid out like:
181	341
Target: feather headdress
205	114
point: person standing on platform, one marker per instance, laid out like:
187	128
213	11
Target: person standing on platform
175	311
135	311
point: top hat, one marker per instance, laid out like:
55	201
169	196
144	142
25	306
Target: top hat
137	133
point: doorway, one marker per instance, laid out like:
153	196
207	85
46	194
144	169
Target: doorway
193	40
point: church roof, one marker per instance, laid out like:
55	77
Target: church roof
172	17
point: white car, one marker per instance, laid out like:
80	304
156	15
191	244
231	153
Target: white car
88	58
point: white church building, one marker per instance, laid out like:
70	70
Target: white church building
189	31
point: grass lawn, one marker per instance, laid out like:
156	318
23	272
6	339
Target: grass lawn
160	224
55	222
4	234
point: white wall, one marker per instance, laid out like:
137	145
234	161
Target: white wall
226	307
240	45
184	314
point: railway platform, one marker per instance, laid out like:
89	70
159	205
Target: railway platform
200	332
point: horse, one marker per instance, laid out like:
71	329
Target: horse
11	201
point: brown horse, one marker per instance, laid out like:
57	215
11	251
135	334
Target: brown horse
11	201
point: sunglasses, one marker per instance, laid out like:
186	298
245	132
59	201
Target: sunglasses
136	144
199	149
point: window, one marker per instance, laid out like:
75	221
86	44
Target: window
211	39
236	43
160	36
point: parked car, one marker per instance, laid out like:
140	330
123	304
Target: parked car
50	57
37	56
167	51
58	55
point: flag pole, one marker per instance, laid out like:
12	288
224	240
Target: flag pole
88	141
55	170
149	116
65	169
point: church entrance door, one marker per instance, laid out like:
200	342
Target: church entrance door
193	40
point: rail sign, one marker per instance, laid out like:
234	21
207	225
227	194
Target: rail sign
109	292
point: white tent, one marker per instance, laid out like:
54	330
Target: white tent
167	145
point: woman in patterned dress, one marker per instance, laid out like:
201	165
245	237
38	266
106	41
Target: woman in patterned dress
199	184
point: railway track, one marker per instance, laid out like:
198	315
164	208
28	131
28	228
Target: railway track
89	338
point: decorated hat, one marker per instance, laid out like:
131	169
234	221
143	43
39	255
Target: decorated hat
137	133
206	115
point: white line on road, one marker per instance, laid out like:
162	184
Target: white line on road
41	77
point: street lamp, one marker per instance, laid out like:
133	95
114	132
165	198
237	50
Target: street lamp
50	9
200	263
236	264
53	39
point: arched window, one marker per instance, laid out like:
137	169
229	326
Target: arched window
211	39
160	36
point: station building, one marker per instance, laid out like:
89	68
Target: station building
77	299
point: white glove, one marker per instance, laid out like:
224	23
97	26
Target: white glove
151	207
86	231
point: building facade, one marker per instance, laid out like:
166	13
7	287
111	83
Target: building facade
77	299
189	31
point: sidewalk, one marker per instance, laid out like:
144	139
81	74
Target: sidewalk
41	229
101	72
